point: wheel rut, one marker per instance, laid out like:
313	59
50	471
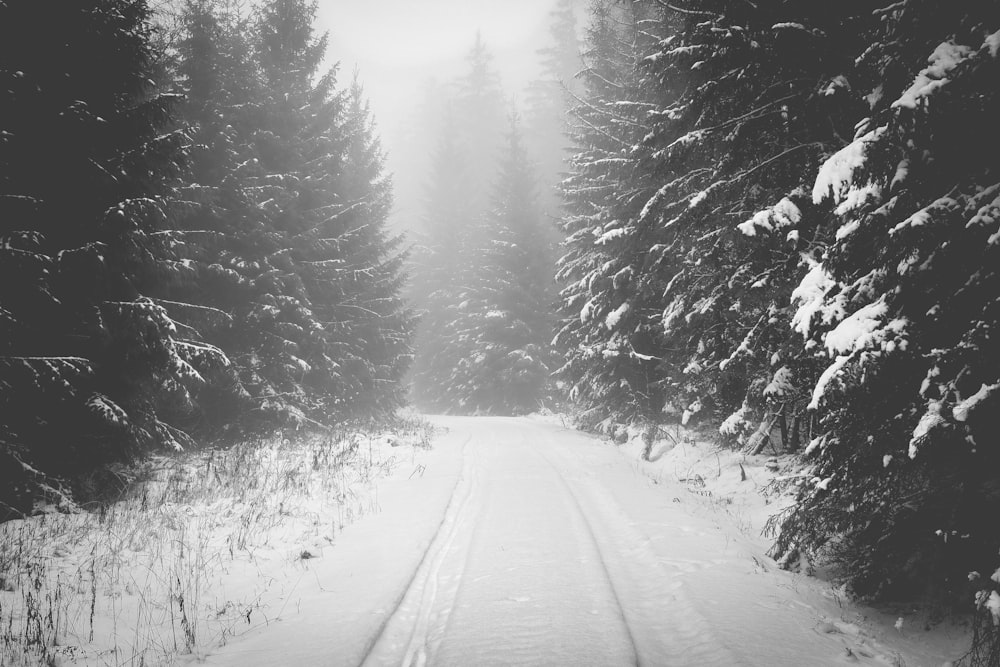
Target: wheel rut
535	563
665	628
410	632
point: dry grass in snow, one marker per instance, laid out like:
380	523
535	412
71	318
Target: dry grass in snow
202	547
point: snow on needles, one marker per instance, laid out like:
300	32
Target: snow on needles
836	177
615	316
931	419
863	330
783	214
961	411
946	57
810	295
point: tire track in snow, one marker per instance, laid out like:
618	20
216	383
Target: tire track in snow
592	538
414	610
664	627
533	591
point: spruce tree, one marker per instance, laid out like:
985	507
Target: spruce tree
609	343
443	263
88	361
900	308
549	100
441	271
501	339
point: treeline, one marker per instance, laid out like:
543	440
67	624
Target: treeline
784	217
192	237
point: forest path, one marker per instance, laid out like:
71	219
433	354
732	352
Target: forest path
535	564
521	542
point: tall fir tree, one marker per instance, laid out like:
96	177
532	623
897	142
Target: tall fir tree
89	363
440	269
900	308
479	121
549	99
610	352
501	338
800	283
462	171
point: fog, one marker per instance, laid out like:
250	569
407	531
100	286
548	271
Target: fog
400	46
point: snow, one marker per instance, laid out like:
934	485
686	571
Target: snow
847	229
734	423
781	384
810	294
509	541
838	82
945	58
788	26
782	214
925	215
690	411
836	178
930	420
825	378
107	410
858	330
611	235
992	43
961	411
615	316
993	605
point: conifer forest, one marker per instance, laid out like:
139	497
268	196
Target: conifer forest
774	224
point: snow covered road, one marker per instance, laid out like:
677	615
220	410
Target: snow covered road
520	542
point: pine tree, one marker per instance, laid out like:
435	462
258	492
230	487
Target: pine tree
88	361
549	100
441	271
479	121
503	356
209	256
900	307
372	321
759	105
443	263
610	347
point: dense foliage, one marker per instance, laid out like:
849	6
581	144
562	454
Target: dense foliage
784	218
182	265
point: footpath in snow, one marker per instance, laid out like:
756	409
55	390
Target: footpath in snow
517	541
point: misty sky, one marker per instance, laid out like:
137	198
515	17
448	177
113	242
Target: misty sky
399	44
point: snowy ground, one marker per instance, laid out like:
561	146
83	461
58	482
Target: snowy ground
524	542
510	541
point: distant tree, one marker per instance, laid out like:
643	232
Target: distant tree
441	268
502	336
479	121
88	362
463	166
548	102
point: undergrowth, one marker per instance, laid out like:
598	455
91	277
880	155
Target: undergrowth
147	578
